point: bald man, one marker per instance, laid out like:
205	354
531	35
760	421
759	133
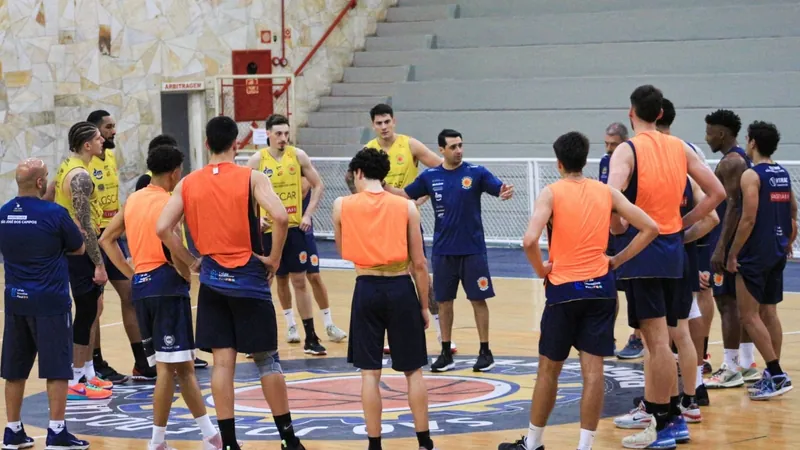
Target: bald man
35	237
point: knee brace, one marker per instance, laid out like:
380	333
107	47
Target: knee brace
85	315
268	363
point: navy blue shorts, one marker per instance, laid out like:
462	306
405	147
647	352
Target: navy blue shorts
48	336
587	325
650	298
245	324
294	258
113	273
166	326
765	285
81	274
471	270
704	258
381	306
724	284
313	254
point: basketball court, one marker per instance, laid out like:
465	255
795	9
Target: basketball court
467	410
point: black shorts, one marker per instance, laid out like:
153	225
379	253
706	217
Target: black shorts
113	273
386	305
472	271
48	336
650	298
245	324
166	326
313	254
294	258
587	325
81	275
765	285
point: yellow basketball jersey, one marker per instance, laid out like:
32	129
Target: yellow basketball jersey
67	166
286	179
106	183
403	168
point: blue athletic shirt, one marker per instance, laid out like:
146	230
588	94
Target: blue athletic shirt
456	199
34	237
603	172
767	244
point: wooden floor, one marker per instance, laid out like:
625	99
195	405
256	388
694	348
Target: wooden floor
733	421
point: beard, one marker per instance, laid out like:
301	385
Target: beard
109	144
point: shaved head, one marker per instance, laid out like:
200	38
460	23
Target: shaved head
31	177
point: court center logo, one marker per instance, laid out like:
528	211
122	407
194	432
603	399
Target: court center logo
324	397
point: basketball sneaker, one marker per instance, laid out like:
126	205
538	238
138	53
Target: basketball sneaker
314	348
650	438
285	446
485	362
96	382
144	373
725	377
772	386
637	418
16	440
161	446
701	395
200	363
633	349
292	335
679	430
750	374
106	372
519	445
215	443
64	440
443	363
707	369
80	391
691	413
335	334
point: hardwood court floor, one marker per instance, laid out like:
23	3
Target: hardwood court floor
733	421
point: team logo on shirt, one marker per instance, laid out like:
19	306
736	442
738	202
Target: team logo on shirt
98	174
466	182
718	279
292	169
268	172
604	171
324	406
303	256
483	283
400	160
314	260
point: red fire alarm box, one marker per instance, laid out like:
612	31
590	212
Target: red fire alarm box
252	97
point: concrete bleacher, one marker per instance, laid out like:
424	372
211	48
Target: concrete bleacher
515	74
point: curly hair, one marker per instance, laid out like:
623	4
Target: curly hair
164	159
766	136
374	164
726	119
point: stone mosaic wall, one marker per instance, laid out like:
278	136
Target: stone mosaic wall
61	59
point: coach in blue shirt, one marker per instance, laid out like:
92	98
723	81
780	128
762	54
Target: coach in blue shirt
35	237
459	246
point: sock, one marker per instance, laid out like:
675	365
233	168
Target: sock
587	440
97	357
687	400
534	440
436	324
206	427
288	314
446	348
660	412
308	325
674	406
730	357
88	370
285	428
16	427
774	368
327	319
159	433
424	440
228	432
77	374
747	354
374	443
484	347
699	376
139	355
705	347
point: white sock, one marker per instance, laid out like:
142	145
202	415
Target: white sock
327	319
88	370
699	376
288	314
57	426
534	440
16	427
587	439
729	358
747	354
206	427
159	433
436	324
77	374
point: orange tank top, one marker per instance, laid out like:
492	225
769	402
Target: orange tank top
217	208
661	178
579	234
375	230
141	213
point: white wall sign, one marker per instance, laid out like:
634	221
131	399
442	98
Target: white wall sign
181	86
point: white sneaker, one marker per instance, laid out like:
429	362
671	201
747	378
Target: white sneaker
215	443
335	334
161	446
725	377
637	418
292	336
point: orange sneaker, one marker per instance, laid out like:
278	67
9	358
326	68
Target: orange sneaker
100	384
81	392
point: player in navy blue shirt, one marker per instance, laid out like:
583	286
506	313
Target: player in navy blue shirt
459	246
758	254
35	237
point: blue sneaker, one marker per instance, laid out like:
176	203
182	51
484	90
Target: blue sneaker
18	440
679	430
633	349
650	438
64	441
773	386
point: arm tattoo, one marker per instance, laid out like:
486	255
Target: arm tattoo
81	187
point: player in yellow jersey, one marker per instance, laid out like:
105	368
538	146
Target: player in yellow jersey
75	191
105	176
405	154
285	165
